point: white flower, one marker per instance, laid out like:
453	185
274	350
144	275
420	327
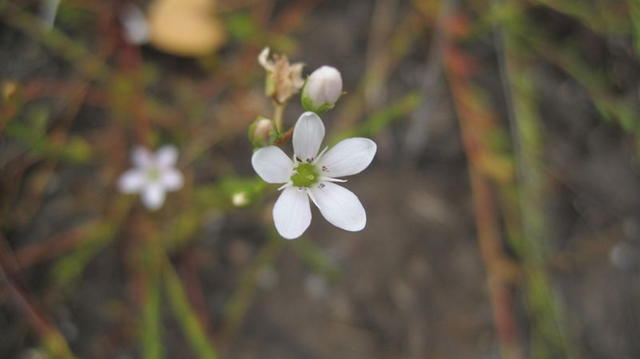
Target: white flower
135	25
312	175
152	176
322	89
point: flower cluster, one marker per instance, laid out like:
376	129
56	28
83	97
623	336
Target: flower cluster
309	173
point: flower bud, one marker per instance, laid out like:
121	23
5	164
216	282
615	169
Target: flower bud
262	132
322	89
240	199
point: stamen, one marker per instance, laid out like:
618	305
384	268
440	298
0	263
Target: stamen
331	179
321	153
288	184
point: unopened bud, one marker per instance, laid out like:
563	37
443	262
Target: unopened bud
240	199
262	132
322	89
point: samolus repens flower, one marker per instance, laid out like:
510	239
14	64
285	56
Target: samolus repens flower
312	174
152	176
322	89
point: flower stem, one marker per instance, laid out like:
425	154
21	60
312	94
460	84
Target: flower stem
277	115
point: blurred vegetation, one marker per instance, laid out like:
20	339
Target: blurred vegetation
71	113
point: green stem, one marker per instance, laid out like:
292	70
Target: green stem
186	316
151	267
527	196
278	115
245	290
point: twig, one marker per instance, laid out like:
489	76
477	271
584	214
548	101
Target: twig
242	297
51	338
476	121
278	111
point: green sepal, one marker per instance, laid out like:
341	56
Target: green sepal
262	140
308	105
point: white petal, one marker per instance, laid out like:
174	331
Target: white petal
348	157
171	179
272	165
141	157
132	181
166	156
153	196
339	206
307	136
263	59
292	213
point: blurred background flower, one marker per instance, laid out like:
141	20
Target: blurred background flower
185	27
152	176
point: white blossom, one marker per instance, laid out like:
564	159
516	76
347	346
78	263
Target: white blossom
152	176
310	174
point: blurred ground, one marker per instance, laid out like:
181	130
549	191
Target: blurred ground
420	281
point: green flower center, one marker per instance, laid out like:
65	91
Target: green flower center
153	174
306	175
